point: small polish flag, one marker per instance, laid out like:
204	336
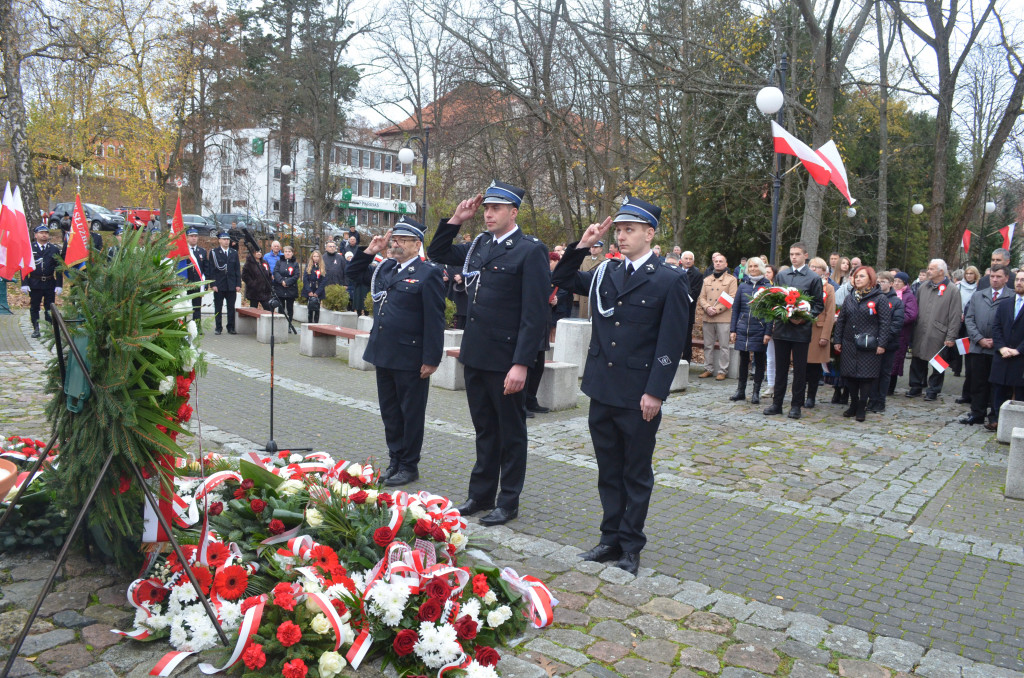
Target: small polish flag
938	362
965	241
726	300
963	345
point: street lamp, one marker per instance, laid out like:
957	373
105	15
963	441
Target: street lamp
851	212
406	156
286	170
770	101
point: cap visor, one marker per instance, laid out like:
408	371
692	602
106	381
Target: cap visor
493	199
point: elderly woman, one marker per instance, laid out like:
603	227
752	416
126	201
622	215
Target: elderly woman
901	285
821	333
861	334
748	333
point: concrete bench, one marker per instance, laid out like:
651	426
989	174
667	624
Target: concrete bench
364	322
1015	465
321	340
572	343
450	374
558	386
682	379
340	318
246	317
1011	416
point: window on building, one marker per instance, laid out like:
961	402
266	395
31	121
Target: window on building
385	191
388	159
276	205
379	161
99	151
110	151
374	189
367	159
356	155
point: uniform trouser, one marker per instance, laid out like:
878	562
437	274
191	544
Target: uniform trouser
37	297
881	386
197	308
500	423
919	373
716	359
533	379
688	346
624	447
814	373
403	408
979	367
786	352
220	298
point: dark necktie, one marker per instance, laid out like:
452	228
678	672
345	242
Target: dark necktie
995	295
629	270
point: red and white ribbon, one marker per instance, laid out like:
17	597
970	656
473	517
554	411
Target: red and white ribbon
250	625
325	606
540	602
216	479
169	662
359	648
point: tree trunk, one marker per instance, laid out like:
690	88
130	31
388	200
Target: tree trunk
883	144
16	115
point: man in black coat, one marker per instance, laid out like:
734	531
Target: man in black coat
1008	341
195	275
639	319
45	282
225	276
696	283
507	280
406	342
793	337
334	265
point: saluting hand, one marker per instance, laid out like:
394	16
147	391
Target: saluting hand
467	209
379	243
593	234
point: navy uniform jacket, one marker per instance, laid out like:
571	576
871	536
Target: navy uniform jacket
46	276
223	271
1008	332
637	349
508	313
193	274
408	324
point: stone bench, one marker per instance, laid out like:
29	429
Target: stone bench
340	318
1015	464
558	386
321	340
1011	416
572	343
246	317
450	374
682	379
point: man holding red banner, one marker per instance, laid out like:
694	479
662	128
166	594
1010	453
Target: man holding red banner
938	323
716	298
46	281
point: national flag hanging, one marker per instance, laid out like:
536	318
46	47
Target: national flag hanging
963	345
938	362
788	144
965	241
1008	232
179	248
15	242
726	300
830	154
78	242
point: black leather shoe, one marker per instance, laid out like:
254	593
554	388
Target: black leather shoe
602	553
473	506
971	420
499	516
217	332
755	397
232	332
931	396
809	403
962	401
36	334
403	477
530	415
850	411
913	393
538	409
877	408
794	412
630	562
740	394
772	409
391	470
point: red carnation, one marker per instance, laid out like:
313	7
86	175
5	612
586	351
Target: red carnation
231	582
217	554
296	668
254	656
480	586
247	484
124	484
184	384
257	505
405	641
438	589
358	497
250	602
216	508
276	526
382	536
465	627
423	527
283	596
486	656
339	607
289	633
184	412
239	493
429	611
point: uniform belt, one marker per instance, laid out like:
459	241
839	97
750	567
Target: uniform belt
43	278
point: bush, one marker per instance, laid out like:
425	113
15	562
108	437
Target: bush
368	303
449	313
301	300
336	298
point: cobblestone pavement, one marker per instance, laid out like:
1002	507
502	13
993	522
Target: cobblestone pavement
821	540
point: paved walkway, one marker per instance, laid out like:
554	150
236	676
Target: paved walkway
892	529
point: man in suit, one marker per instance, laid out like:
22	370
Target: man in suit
979	319
793	337
225	277
1000	257
507	280
696	283
639	320
406	342
1007	375
194	274
45	282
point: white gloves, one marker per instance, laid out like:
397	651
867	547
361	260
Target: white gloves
24	289
58	290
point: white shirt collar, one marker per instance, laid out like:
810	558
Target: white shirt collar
402	267
498	239
637	263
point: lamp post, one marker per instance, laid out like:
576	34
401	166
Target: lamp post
990	207
770	101
286	170
917	209
406	156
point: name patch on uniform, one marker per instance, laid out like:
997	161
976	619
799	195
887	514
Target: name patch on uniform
665	360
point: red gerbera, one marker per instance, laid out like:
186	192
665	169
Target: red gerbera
231	582
276	526
289	633
217	554
254	657
204	578
239	493
324	556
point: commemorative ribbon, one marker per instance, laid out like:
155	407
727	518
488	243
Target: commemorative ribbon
325	606
540	601
250	624
169	662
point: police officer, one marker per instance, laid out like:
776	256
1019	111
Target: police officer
193	274
406	342
640	311
46	281
507	280
225	277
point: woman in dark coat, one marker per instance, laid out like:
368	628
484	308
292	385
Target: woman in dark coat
865	312
878	390
313	285
256	275
902	287
286	282
748	333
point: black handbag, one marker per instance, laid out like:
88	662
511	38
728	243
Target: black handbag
865	342
313	304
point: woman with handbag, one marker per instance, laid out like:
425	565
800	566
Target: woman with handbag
286	282
313	286
256	275
861	335
748	333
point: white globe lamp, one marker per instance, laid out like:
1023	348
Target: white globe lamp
286	170
406	156
990	207
918	208
769	100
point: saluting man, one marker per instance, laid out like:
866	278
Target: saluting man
507	281
225	275
46	281
640	310
406	341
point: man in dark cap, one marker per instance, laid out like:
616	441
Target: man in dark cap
640	311
46	281
195	270
406	342
225	277
507	280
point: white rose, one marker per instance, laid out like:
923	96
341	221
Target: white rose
167	384
355	470
371	496
489	598
418	512
336	487
290	487
320	624
193	331
331	664
295	458
458	540
348	636
314	518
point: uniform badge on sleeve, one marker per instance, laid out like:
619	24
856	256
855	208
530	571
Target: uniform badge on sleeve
665	361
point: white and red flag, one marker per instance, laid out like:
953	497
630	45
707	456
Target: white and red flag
15	242
726	300
1007	232
963	345
788	144
965	241
938	362
830	155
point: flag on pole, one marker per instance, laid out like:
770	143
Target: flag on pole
78	242
965	241
1007	232
830	155
938	362
726	300
15	242
788	144
963	345
179	248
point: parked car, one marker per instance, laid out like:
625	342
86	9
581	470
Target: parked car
200	223
223	221
99	217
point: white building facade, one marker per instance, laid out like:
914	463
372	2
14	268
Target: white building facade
239	179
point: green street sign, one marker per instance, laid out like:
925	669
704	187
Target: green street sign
402	209
346	195
342	205
351	221
257	146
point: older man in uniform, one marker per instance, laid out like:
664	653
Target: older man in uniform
225	277
640	314
46	281
406	342
507	279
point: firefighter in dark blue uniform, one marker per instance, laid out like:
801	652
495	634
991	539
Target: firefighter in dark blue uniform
225	276
406	342
195	275
44	283
507	280
640	310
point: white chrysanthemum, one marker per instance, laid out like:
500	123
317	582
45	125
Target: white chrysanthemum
203	636
472	608
331	664
458	540
185	593
158	622
290	487
475	670
195	616
185	485
314	518
230	615
359	578
193	331
490	598
178	635
320	624
167	385
141	617
438	644
295	458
